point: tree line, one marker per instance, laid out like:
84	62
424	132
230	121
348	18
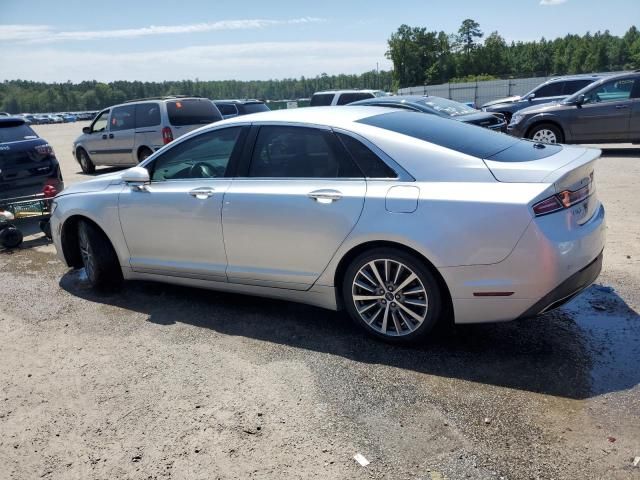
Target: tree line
419	56
21	96
423	57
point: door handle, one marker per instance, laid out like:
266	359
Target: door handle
325	196
620	107
202	193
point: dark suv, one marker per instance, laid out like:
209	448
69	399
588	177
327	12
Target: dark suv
233	108
552	90
607	111
29	169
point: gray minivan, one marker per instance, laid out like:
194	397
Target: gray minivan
126	134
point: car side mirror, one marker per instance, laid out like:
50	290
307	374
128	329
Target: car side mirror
531	96
580	100
136	175
86	129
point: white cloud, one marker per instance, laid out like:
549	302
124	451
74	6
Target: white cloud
552	2
47	34
241	61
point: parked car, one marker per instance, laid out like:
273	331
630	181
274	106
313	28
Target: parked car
439	106
56	118
42	119
607	111
233	108
342	97
552	90
128	133
5	114
401	218
68	117
29	169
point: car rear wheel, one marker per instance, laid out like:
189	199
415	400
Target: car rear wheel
546	133
86	164
98	257
392	295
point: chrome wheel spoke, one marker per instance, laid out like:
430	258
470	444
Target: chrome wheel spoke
385	320
396	323
419	303
411	313
374	269
366	287
366	298
367	308
406	282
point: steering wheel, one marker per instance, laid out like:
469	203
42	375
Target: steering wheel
201	170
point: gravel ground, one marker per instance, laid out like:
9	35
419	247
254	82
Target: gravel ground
165	382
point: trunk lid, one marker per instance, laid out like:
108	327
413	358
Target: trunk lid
566	169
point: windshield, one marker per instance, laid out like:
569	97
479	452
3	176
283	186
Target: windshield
15	132
447	107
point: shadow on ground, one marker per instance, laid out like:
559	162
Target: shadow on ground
552	354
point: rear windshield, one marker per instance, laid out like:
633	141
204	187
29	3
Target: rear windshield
192	112
255	108
15	132
446	106
321	99
459	136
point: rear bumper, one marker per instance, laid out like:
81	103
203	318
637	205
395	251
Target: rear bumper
549	265
568	289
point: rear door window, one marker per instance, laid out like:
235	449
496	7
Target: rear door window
123	118
227	108
191	111
347	98
300	152
572	86
16	132
147	115
321	100
371	165
254	108
550	90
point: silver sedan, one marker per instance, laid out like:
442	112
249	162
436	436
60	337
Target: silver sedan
402	219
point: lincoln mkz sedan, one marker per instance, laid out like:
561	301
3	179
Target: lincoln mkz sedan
403	219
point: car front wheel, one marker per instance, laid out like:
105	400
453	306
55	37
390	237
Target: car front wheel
98	257
86	164
546	133
392	295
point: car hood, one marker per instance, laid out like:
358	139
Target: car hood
512	99
479	118
96	184
544	108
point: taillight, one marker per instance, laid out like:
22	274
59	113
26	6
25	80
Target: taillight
51	187
562	200
167	135
45	149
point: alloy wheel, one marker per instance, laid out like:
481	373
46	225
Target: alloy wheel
390	297
544	135
86	252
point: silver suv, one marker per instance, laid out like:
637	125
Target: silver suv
128	133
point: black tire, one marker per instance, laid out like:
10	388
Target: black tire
10	237
143	154
85	162
541	127
401	328
98	257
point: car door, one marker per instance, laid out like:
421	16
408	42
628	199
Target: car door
634	118
605	113
296	199
173	226
96	142
122	133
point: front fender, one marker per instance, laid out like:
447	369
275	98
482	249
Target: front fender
99	207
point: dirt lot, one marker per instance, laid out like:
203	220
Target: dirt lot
164	382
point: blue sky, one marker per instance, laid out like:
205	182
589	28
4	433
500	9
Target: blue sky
215	40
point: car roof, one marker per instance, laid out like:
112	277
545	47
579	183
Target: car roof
340	116
595	76
395	99
13	120
240	101
352	90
